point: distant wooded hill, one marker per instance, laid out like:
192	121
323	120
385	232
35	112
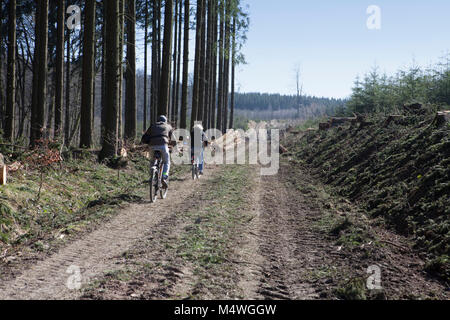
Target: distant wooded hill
265	106
266	101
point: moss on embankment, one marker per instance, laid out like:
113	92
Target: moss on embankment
398	170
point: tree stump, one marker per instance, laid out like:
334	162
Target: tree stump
2	171
324	126
2	175
442	117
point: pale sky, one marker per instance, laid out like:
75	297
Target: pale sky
331	42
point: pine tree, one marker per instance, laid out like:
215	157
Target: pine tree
221	44
39	94
177	80
87	90
156	72
59	72
130	102
68	90
2	98
233	72
197	68
112	66
11	77
163	103
175	56
184	91
145	64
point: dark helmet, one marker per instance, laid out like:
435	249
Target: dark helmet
162	119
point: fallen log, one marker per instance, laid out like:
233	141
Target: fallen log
364	124
16	166
13	146
334	122
391	118
283	149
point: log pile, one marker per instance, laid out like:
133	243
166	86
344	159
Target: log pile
414	108
339	121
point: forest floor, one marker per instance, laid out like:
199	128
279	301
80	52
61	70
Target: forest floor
231	235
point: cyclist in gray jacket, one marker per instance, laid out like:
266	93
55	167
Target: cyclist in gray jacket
159	136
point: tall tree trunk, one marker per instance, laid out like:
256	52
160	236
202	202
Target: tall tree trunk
67	111
177	81
202	77
59	77
163	103
87	89
214	66
174	75
11	77
233	72
2	98
226	62
121	45
130	102
159	60
39	95
220	99
145	65
22	82
184	90
198	44
209	44
103	107
112	66
155	77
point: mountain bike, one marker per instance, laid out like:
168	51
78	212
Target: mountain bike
156	171
195	167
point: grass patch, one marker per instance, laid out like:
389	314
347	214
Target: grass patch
207	241
354	289
72	196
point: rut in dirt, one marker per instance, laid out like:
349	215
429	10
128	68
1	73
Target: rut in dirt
284	244
91	256
302	262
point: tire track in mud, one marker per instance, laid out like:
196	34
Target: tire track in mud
283	243
94	254
300	262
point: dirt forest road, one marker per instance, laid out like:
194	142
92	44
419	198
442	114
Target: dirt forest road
232	235
56	277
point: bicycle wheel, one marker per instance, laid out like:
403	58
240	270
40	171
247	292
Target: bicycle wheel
153	185
194	172
162	191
